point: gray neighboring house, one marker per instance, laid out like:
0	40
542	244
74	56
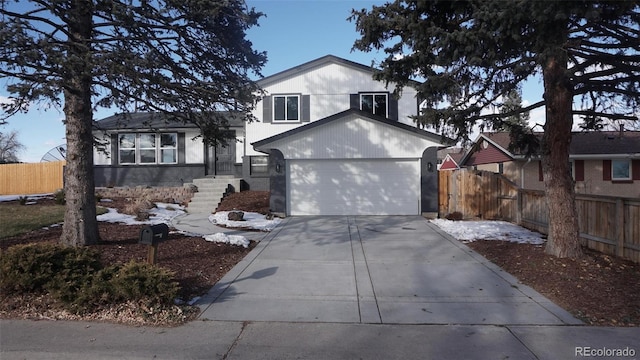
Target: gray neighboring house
329	140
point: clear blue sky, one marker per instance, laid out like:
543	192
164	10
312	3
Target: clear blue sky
293	32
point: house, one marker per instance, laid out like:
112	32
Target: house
603	163
329	140
449	159
147	150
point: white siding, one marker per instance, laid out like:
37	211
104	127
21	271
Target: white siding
353	137
329	87
354	187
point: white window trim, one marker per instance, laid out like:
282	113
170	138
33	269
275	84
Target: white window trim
285	96
613	178
386	95
158	149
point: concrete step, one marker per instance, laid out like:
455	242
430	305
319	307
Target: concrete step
210	193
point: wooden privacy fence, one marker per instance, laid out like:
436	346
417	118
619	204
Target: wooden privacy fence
607	224
33	178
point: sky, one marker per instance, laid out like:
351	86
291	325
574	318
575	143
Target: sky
292	33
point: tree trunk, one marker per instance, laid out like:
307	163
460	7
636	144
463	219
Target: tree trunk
563	240
80	224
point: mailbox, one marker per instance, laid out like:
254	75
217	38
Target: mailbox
153	234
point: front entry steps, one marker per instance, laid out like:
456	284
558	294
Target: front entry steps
211	190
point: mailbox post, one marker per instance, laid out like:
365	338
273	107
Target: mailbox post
151	236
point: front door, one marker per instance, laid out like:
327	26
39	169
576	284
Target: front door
220	159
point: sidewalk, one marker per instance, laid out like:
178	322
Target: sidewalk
278	340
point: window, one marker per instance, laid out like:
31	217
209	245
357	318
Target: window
148	148
127	148
258	165
374	103
168	148
621	170
285	108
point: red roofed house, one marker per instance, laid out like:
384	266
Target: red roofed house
603	163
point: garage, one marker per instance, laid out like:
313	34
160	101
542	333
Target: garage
352	163
354	187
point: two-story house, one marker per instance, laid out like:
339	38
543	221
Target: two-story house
330	140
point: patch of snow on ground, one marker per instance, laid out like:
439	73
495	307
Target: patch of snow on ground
252	221
488	230
30	197
228	239
162	214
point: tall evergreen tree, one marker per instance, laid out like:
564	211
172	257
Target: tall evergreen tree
188	59
472	53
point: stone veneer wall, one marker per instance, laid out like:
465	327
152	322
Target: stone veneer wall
178	194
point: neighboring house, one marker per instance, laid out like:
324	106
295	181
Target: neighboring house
450	158
602	163
329	140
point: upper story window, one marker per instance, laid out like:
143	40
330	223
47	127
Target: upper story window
621	169
374	103
148	148
286	108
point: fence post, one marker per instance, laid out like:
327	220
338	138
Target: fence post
519	207
620	227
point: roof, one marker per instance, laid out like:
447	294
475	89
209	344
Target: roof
591	144
313	64
150	120
418	132
605	142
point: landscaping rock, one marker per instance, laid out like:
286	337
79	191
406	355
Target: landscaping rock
236	216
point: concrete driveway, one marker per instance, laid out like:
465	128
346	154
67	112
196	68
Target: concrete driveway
373	269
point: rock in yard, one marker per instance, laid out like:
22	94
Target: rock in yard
236	216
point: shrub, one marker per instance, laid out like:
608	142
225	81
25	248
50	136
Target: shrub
141	281
75	278
455	216
38	267
140	208
60	197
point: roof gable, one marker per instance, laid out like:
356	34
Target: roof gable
449	163
313	64
351	134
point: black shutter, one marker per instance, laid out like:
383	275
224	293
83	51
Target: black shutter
181	148
606	170
393	108
306	108
114	149
266	109
354	101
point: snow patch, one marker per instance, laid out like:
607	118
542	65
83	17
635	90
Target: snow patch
228	239
252	221
488	230
163	213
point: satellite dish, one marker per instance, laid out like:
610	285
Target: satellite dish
58	153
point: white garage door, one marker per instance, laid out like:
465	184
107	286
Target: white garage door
354	187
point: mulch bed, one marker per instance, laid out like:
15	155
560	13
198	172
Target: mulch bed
599	289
